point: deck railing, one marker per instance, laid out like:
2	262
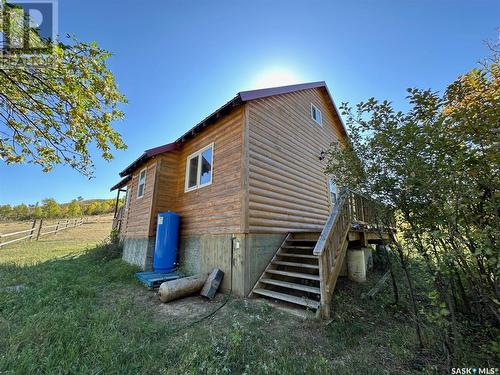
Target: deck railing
350	207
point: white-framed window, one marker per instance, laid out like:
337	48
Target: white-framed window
127	199
332	189
199	168
316	114
141	184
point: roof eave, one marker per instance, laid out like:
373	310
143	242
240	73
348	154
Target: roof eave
264	93
241	98
149	153
134	165
122	183
211	119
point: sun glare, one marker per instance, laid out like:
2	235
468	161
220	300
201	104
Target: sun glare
275	77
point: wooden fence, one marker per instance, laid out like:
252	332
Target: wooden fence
38	230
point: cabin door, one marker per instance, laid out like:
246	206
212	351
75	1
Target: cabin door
332	188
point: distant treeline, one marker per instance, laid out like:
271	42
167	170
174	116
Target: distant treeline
51	209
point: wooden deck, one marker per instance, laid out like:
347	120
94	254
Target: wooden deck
305	269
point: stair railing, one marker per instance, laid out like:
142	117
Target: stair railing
350	208
330	247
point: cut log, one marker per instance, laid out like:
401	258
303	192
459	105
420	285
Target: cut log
212	283
173	289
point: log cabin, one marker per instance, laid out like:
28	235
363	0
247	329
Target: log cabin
249	185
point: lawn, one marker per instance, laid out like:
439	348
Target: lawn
69	241
64	309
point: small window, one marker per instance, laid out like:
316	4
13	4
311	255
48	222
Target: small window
141	184
316	114
127	199
332	188
199	168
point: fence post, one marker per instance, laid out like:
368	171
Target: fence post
39	229
57	227
32	230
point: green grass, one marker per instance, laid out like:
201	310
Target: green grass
70	241
76	308
85	314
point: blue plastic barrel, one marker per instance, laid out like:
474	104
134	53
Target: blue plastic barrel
167	242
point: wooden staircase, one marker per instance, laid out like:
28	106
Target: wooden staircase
293	274
305	269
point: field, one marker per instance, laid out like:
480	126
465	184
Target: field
70	241
68	304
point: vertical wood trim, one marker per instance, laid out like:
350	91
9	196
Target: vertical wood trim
152	214
127	211
245	173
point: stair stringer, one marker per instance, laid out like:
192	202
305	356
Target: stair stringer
269	264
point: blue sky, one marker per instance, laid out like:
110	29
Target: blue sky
177	61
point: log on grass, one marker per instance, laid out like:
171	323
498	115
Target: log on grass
173	289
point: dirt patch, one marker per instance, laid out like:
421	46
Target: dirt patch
187	308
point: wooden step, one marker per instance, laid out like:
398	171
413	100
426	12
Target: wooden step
286	284
294	274
293	264
298	247
282	254
299	240
288	298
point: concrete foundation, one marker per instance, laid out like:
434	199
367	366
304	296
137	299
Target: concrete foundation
359	261
201	254
189	254
139	251
260	250
242	257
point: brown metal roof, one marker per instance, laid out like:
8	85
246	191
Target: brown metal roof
239	99
212	118
245	96
148	154
264	93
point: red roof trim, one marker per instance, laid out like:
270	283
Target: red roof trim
148	154
161	149
242	97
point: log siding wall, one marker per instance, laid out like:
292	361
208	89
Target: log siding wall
138	215
216	208
166	187
212	209
267	176
287	187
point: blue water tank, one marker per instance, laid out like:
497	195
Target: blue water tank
167	242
